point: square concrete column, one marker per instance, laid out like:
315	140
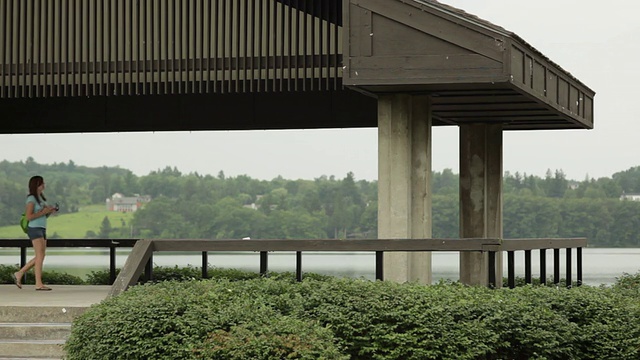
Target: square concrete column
480	197
404	182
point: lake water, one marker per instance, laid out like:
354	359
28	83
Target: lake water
600	266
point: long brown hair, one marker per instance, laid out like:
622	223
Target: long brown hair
34	182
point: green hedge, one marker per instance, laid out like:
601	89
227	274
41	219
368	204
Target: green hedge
331	318
48	277
160	273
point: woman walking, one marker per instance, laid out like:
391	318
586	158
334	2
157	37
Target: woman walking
37	211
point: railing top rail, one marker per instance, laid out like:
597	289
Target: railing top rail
480	244
537	244
468	244
60	243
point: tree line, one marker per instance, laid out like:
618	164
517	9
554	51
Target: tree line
206	206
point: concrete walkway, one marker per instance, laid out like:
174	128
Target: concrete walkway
61	295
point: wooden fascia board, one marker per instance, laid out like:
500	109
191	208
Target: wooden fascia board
521	43
583	116
539	57
580	122
421	81
410	15
426	69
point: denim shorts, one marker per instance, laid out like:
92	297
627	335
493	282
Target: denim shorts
37	233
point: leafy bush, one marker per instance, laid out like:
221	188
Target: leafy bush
5	273
101	277
195	320
628	284
48	277
166	273
277	337
54	277
265	318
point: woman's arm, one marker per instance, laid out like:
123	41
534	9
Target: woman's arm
31	215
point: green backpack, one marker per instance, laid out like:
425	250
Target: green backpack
24	223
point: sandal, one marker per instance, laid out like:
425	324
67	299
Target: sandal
44	288
16	280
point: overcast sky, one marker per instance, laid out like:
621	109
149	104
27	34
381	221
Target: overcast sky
595	41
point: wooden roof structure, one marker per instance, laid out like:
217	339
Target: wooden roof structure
160	65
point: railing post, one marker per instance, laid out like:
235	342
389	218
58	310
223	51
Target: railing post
511	269
492	269
579	263
148	269
379	265
264	262
205	264
556	266
23	261
298	266
527	266
112	264
568	280
543	266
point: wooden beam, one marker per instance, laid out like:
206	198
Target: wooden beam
327	245
535	244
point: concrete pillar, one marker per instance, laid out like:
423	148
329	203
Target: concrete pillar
404	182
480	197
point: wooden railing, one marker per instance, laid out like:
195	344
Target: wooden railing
141	257
111	244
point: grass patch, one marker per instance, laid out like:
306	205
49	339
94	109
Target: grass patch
74	225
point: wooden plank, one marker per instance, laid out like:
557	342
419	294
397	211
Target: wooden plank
425	69
526	106
494	114
133	267
539	75
563	93
574	100
528	71
355	16
517	65
436	23
445	100
535	244
588	109
429	63
365	32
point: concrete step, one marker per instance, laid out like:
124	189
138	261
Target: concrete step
35	331
46	349
39	314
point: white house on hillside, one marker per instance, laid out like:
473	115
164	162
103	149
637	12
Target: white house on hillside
632	197
121	203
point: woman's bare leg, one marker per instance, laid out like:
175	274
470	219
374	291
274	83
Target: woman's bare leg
26	268
39	247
